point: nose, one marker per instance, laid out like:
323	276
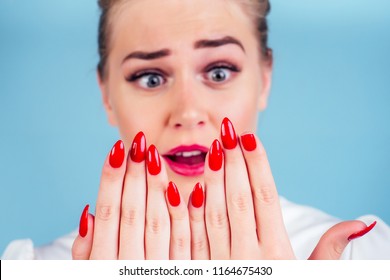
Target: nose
189	106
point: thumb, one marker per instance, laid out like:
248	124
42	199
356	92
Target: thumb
334	241
82	245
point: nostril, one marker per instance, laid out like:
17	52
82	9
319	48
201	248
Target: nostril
189	124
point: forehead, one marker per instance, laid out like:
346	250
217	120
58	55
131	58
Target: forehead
155	23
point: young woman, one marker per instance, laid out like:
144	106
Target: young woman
184	81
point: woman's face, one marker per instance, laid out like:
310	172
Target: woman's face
175	69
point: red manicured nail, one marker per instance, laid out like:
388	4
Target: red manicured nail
362	232
197	196
248	141
83	228
154	163
215	156
138	148
228	135
173	194
117	154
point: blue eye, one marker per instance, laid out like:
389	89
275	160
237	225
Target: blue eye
147	80
150	80
221	73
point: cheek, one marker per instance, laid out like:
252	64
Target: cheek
242	104
134	114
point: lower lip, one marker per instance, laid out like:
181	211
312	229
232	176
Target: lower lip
184	169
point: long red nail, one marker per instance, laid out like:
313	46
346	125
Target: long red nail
362	232
138	148
117	154
154	163
173	194
83	228
197	196
248	142
228	135
215	156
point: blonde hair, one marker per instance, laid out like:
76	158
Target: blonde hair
256	9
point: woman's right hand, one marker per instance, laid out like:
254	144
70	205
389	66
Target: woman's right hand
132	219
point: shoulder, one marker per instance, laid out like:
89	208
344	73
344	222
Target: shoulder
23	249
305	226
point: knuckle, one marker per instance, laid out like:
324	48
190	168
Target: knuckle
155	225
77	252
104	212
196	218
156	186
199	245
337	250
257	157
178	217
181	243
234	160
109	174
241	202
130	217
217	218
265	194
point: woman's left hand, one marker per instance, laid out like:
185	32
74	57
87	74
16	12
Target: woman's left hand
243	217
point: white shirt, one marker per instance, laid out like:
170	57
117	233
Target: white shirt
305	226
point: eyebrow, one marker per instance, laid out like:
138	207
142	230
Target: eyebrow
148	55
206	43
218	42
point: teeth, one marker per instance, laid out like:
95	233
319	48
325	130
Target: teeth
188	154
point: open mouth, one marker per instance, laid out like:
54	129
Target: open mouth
187	160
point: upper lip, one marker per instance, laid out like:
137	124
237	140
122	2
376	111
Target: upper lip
186	148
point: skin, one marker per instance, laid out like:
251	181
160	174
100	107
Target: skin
176	113
241	216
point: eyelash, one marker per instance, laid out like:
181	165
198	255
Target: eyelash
219	65
223	65
136	76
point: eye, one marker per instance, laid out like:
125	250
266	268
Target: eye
220	73
147	80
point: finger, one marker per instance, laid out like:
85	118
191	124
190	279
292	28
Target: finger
269	220
180	243
82	245
157	228
199	242
105	240
132	220
238	196
333	242
217	223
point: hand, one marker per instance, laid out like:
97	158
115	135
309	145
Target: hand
243	217
132	220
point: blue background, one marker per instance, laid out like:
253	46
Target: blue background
326	129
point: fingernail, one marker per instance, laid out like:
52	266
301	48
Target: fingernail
83	228
362	232
197	196
173	194
154	163
117	154
248	142
228	135
215	156
138	148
